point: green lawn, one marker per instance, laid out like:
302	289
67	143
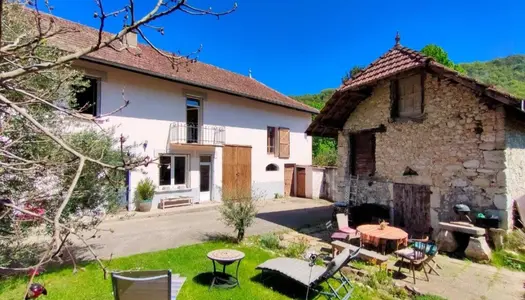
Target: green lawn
189	261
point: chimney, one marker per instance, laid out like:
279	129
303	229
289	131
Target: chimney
130	39
250	73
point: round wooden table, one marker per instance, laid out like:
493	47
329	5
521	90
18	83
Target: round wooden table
225	257
374	235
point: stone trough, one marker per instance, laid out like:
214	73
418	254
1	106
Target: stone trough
477	249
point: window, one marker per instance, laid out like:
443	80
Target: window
407	94
87	97
362	154
272	167
270	137
173	170
193	119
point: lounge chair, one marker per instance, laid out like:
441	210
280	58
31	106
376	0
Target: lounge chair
312	276
146	285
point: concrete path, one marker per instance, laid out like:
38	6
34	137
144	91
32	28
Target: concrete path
465	280
164	231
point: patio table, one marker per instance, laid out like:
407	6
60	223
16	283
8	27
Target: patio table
374	235
225	257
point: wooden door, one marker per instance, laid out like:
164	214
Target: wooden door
236	172
301	182
288	180
412	208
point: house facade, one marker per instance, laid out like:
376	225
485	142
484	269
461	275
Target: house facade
421	138
212	133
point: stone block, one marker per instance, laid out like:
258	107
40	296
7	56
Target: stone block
478	249
486	171
473	230
446	241
497	235
487	146
435	197
501	178
470	173
502	202
454	167
481	182
494	165
471	164
494	156
459	182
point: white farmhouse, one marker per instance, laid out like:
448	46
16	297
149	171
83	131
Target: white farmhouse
213	131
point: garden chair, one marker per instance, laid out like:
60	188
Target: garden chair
313	276
342	225
420	254
335	235
146	285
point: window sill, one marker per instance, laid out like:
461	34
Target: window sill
172	188
418	119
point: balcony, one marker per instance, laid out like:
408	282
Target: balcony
184	133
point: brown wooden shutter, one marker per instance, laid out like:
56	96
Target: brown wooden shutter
284	142
363	157
410	96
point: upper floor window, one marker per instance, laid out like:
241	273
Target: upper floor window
362	154
173	170
278	141
407	96
270	140
87	101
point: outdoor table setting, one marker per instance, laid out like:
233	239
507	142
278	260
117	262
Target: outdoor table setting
225	257
379	234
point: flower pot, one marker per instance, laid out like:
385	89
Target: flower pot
145	205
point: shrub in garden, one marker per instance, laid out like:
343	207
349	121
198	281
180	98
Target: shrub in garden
269	241
238	211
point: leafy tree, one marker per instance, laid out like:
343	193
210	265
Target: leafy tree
441	56
350	74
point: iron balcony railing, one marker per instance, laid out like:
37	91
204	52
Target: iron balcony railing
187	133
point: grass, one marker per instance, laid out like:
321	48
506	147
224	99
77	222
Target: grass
191	262
504	259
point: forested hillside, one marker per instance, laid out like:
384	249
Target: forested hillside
507	73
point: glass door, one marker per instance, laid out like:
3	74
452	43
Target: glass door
205	177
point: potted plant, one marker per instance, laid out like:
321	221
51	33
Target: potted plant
144	194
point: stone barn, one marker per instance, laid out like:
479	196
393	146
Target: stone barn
421	137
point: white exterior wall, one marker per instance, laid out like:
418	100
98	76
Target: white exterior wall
156	103
317	182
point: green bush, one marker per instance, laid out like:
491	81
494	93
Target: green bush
296	249
269	241
145	190
239	214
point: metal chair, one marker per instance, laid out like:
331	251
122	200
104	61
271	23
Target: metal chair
146	285
421	253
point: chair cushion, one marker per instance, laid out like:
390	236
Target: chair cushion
348	230
410	254
339	235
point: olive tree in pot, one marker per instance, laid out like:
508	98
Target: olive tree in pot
144	194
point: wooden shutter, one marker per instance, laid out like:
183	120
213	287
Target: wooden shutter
410	96
363	154
284	142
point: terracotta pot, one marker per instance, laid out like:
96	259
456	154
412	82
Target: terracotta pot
145	205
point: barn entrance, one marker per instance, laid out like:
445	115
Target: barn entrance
412	208
236	172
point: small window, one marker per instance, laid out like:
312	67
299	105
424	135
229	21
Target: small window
87	97
407	96
270	136
272	167
173	170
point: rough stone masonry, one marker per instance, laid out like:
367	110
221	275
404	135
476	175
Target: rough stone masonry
466	151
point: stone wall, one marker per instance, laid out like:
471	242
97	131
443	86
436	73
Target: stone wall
457	149
515	171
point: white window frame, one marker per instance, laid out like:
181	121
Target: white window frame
172	170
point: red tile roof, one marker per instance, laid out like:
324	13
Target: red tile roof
146	60
398	59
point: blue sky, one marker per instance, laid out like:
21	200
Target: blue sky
300	47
